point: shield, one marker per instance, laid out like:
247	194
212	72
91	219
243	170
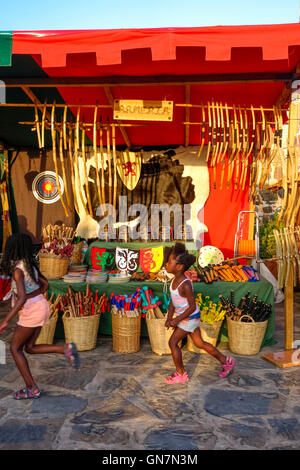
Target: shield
151	259
127	260
129	168
100	257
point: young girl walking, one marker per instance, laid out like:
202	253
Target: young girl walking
28	287
187	316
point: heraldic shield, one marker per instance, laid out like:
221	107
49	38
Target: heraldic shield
151	259
127	260
102	258
129	168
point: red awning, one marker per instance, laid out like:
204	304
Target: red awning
213	44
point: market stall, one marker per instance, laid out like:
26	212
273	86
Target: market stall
112	115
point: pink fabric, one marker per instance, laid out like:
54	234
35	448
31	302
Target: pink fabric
35	312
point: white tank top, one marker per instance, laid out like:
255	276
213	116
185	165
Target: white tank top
180	303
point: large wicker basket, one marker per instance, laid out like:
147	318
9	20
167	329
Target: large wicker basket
246	338
52	266
82	331
46	335
126	333
159	335
209	334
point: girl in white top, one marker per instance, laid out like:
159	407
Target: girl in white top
187	316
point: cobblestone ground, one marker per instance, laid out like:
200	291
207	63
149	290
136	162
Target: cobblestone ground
120	401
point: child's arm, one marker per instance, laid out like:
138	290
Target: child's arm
44	284
186	291
171	311
21	298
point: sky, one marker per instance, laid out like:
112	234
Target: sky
98	14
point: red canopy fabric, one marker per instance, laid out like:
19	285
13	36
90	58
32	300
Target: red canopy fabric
275	43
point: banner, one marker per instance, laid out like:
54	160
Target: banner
127	260
102	258
151	259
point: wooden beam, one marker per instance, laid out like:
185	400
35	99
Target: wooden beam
35	100
110	98
187	115
149	81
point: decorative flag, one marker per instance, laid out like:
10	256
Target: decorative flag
127	260
151	259
102	258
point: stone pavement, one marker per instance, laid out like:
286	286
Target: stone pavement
120	401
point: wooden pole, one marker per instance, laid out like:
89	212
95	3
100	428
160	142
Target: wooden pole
187	114
288	358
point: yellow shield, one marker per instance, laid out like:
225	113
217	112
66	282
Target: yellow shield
129	168
151	259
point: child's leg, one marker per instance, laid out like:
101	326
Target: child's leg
197	339
32	348
68	349
21	335
176	337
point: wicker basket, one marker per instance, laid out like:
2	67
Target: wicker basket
46	335
209	334
53	267
246	338
82	331
159	335
126	333
76	255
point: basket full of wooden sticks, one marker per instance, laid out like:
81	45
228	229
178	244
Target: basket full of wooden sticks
81	318
56	251
247	323
126	324
159	335
46	335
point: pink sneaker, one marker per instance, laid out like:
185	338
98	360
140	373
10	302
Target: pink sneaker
227	368
177	378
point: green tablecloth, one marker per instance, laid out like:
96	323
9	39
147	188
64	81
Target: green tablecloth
263	289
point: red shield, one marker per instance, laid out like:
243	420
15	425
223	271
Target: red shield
151	259
98	258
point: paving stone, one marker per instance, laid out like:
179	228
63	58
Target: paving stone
114	409
126	386
54	406
19	433
3	412
288	428
252	436
252	420
6	369
24	435
224	402
4	392
100	434
178	439
68	378
284	379
244	380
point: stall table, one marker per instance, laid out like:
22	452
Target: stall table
263	289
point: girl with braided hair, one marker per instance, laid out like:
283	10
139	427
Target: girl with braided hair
28	287
187	316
